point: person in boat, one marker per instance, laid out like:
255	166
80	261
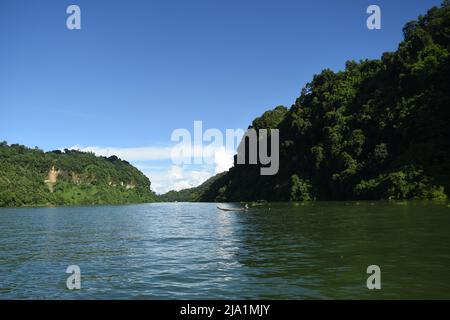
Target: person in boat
245	208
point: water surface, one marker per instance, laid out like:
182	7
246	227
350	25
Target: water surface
195	251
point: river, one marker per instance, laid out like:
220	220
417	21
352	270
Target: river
195	251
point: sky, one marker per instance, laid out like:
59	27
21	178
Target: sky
139	69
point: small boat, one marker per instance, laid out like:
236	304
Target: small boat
233	209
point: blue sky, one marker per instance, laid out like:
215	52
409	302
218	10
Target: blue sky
137	70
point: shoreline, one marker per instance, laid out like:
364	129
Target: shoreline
252	204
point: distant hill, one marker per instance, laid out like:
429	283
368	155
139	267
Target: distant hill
31	177
192	194
380	129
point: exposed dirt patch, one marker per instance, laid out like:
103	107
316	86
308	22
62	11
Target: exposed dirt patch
52	178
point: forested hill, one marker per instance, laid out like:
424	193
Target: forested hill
380	129
31	177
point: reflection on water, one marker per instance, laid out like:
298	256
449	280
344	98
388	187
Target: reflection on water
194	251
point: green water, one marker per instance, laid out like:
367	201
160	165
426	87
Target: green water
195	251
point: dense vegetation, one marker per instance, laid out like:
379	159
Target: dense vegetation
31	177
377	130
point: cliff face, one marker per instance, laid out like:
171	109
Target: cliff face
52	178
31	177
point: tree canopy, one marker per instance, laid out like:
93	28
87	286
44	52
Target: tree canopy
377	130
31	177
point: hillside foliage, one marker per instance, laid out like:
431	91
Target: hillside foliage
377	130
31	177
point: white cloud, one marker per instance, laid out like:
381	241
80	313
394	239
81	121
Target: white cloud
172	174
223	160
175	173
179	155
178	178
130	154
